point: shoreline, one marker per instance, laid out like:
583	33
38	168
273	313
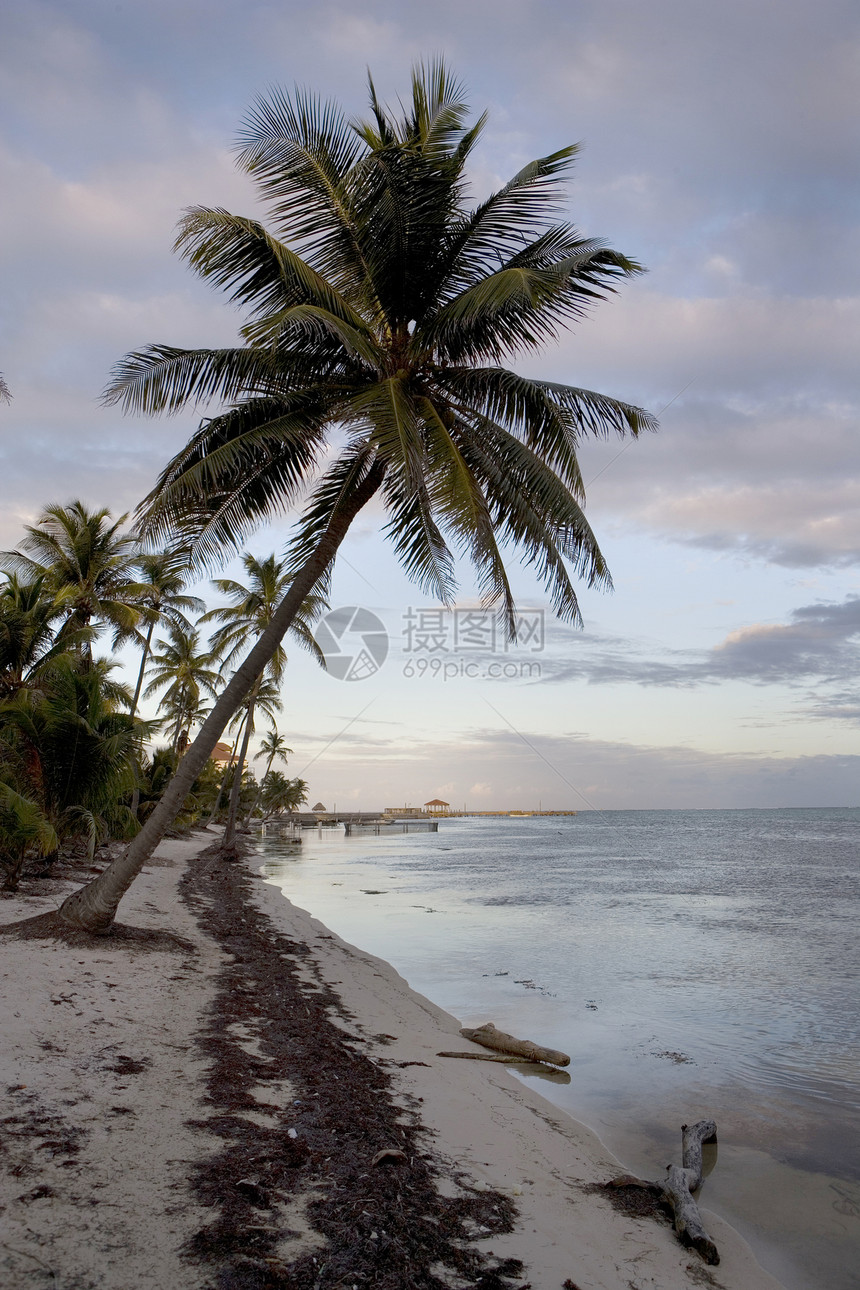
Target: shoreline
125	1056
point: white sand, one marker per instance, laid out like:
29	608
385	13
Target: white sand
117	1212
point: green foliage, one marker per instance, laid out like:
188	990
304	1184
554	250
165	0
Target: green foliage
75	748
86	563
155	772
70	748
29	615
252	608
23	827
186	669
161	600
282	794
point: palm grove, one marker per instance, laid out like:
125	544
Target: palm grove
380	312
75	769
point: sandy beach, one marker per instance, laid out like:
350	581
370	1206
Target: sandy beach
245	1100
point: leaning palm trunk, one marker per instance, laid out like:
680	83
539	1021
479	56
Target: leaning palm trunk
144	658
135	797
230	830
94	906
258	799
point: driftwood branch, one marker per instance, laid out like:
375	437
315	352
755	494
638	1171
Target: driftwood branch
677	1188
682	1180
489	1037
693	1136
507	1058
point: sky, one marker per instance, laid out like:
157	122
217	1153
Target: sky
719	147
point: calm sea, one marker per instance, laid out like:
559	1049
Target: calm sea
693	963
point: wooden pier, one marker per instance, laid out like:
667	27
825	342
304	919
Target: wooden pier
291	826
352	828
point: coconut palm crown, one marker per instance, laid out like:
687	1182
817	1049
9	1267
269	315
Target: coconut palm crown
252	607
85	560
380	306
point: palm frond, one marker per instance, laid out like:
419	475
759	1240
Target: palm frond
511	217
417	540
256	269
300	151
519	308
237	469
330	495
532	508
460	502
162	378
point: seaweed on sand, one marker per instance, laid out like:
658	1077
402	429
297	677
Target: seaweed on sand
382	1225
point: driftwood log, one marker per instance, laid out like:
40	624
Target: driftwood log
507	1058
682	1180
489	1037
677	1187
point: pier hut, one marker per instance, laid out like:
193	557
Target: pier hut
436	805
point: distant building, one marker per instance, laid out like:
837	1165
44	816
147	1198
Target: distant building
437	805
319	807
221	754
402	811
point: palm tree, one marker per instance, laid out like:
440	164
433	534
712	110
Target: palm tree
265	698
5	392
282	794
161	600
272	747
382	312
156	772
28	640
87	563
187	671
252	609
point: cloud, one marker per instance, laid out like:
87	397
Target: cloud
761	452
698	160
575	772
818	644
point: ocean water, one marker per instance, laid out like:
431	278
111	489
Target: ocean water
695	964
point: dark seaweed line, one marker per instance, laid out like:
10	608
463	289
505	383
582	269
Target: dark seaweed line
386	1226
